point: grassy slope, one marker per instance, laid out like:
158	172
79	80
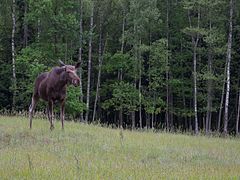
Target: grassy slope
91	152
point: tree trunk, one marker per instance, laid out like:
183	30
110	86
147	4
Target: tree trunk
140	101
184	107
209	91
71	47
133	112
183	92
100	59
25	26
121	73
229	50
148	121
190	124
80	54
120	123
89	63
38	30
167	71
222	99
195	87
135	58
195	44
14	81
133	120
139	89
66	52
203	123
238	114
170	104
152	120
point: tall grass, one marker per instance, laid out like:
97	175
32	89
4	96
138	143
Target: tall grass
85	151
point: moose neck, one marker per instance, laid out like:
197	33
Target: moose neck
62	79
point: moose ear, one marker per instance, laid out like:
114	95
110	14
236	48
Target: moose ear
61	63
77	65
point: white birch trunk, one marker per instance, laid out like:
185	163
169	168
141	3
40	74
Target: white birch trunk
195	44
238	114
14	81
139	90
100	58
209	89
167	72
195	87
121	73
222	99
229	50
80	54
89	63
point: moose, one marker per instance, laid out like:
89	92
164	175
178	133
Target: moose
52	87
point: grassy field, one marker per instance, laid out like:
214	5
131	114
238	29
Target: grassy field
84	151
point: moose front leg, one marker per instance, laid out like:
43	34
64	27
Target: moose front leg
62	113
31	109
50	114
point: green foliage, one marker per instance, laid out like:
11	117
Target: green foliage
158	64
118	61
214	37
124	96
73	104
28	68
153	105
194	31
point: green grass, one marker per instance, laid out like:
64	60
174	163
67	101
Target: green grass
84	151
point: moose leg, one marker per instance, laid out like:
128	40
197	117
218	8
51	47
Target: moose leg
50	114
62	113
31	109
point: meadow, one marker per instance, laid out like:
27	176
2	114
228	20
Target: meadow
87	151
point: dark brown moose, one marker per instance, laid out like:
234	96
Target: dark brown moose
51	87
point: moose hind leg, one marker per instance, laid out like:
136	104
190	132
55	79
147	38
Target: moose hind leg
31	109
62	113
50	112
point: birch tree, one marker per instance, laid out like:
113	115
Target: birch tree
100	59
89	61
194	32
80	53
122	51
167	69
229	53
14	80
238	115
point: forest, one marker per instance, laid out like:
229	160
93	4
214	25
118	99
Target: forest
162	64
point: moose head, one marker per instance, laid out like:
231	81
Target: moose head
71	73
